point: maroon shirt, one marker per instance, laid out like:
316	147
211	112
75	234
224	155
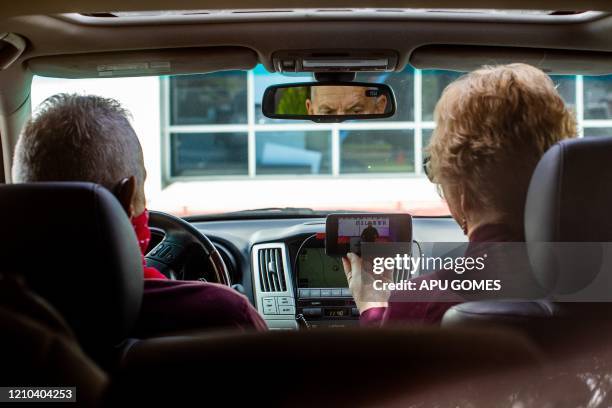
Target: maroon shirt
173	306
432	312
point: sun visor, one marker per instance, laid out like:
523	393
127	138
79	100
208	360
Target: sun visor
144	63
552	61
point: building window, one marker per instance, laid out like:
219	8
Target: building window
209	154
566	85
219	98
427	133
597	98
402	84
213	126
434	82
377	151
600	131
305	152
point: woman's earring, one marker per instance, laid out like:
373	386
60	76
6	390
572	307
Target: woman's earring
464	226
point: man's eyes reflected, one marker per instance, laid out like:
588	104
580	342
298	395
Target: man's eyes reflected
353	110
324	110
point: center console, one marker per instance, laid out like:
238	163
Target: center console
296	282
323	296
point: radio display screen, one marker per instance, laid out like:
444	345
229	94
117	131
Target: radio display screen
317	270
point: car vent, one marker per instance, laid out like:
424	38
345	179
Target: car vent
271	270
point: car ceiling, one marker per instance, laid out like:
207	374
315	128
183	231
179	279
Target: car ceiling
57	35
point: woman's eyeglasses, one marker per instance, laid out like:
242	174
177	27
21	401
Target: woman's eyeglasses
429	174
426	167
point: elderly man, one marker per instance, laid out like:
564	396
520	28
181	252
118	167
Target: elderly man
344	100
89	138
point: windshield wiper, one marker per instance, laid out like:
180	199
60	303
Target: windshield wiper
266	212
283	210
259	213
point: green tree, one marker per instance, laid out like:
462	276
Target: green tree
293	101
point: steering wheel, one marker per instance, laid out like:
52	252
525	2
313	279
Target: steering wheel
180	241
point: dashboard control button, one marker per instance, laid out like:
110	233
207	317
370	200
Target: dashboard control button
269	301
336	292
290	310
312	312
285	301
155	250
315	293
326	292
163	251
304	293
346	292
270	310
355	311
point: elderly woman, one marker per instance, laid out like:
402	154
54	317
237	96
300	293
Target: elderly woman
492	127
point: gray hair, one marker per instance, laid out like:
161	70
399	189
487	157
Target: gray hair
78	138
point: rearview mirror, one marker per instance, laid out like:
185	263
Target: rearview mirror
328	101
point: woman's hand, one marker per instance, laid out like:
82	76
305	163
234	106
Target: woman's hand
352	269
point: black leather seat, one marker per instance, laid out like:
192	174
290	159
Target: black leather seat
323	367
38	348
75	247
569	201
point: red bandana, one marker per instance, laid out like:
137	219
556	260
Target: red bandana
143	233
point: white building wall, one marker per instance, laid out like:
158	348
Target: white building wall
138	95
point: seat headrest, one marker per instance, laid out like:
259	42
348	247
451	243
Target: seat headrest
76	248
570	195
569	202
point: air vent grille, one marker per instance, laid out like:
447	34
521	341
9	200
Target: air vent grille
271	270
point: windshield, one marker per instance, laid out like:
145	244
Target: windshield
208	149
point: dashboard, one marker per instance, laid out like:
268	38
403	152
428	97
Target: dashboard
281	266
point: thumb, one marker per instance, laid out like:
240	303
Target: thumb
346	264
353	258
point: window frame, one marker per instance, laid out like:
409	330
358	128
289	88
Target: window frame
251	128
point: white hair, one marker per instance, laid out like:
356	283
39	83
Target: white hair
78	138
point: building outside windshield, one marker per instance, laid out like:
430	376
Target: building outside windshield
208	149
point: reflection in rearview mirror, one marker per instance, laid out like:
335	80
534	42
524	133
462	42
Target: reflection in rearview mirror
345	100
332	102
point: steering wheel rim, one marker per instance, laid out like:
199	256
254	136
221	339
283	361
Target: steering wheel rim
179	238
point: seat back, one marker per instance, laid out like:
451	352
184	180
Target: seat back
323	367
569	202
75	247
38	348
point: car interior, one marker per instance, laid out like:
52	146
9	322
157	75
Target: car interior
60	237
